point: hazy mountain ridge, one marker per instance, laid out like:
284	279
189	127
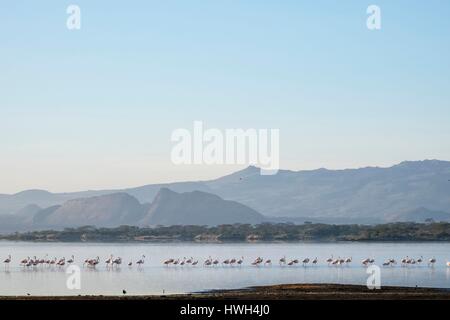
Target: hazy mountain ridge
105	211
197	208
112	210
370	194
373	193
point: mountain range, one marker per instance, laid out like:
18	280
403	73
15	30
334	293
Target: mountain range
116	209
409	191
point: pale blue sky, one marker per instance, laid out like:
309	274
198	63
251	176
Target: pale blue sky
95	108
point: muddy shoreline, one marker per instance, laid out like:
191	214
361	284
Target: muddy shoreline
278	292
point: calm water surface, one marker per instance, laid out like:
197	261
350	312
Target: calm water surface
154	278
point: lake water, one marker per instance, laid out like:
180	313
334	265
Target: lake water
155	278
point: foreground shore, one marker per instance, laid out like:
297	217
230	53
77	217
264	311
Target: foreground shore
279	292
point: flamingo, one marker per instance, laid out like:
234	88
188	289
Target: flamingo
207	262
295	261
216	262
71	260
268	261
109	260
420	260
25	261
130	263
194	263
167	262
240	261
404	261
282	260
45	260
117	261
432	261
227	261
232	261
141	261
92	262
53	262
315	261
257	261
7	261
305	261
348	260
330	260
61	262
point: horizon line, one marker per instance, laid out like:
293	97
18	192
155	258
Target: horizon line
118	189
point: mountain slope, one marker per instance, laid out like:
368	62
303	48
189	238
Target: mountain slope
374	194
197	208
105	211
365	195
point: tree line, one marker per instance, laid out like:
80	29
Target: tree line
405	231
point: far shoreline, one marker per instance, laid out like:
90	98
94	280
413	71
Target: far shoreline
243	233
224	242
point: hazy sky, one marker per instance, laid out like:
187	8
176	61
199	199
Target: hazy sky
95	108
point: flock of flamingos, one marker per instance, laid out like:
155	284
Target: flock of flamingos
116	262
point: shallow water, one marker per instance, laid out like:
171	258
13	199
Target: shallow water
154	278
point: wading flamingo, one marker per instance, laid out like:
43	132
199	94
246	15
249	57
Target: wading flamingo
7	261
432	261
330	260
167	262
141	261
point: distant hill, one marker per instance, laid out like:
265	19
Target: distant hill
28	211
112	210
103	211
197	208
365	195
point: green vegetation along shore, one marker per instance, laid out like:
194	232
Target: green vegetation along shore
244	233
